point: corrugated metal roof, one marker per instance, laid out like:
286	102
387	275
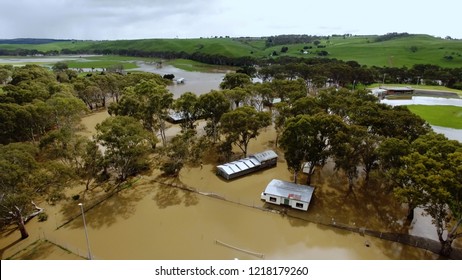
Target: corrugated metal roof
289	190
397	88
266	155
241	165
249	163
226	169
238	165
254	161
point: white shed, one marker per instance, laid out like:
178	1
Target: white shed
247	165
238	168
287	193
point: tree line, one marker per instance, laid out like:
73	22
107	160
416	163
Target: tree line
351	72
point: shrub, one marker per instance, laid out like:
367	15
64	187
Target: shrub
42	217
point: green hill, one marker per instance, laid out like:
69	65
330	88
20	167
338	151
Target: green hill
366	50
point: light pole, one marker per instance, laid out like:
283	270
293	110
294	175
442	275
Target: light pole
86	233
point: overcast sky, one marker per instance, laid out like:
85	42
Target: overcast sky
133	19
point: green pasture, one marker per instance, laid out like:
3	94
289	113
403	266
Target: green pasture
101	62
191	65
398	52
439	115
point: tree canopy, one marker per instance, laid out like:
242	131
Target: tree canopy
242	125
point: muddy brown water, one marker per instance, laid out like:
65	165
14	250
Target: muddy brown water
155	221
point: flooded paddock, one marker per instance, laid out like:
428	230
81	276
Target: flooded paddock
151	220
195	82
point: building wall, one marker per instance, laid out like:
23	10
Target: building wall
300	205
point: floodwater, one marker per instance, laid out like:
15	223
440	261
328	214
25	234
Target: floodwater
195	82
40	59
424	100
450	133
156	221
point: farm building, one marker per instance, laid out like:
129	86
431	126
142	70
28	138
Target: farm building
287	193
397	90
247	165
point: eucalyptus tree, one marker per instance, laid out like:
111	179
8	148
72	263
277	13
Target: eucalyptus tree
430	178
23	179
288	90
126	145
187	106
237	96
66	109
242	125
307	139
235	80
149	102
17	164
346	147
212	106
5	74
260	95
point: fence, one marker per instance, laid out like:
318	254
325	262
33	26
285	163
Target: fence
66	246
411	240
415	241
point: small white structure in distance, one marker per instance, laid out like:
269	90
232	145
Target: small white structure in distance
287	193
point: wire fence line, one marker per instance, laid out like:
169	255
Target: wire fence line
90	205
411	240
66	246
406	239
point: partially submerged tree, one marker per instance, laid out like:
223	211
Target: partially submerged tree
187	107
17	163
430	177
23	179
243	124
346	147
212	106
149	102
235	80
126	145
306	139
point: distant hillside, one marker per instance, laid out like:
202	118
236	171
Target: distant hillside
389	50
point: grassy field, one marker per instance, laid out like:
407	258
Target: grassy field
103	62
191	65
397	52
446	116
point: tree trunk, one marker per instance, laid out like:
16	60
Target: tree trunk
350	185
410	214
308	178
87	185
367	172
21	224
446	247
310	174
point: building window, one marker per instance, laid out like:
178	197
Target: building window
299	205
272	199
